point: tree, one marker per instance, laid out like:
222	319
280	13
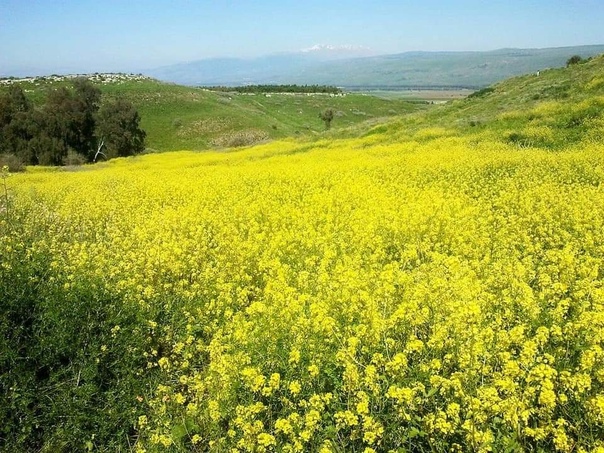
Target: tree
118	127
70	123
70	116
86	105
47	150
15	125
58	126
327	116
575	59
12	103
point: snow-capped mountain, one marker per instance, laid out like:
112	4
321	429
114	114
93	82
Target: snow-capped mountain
336	52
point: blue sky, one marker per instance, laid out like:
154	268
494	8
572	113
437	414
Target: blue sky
45	36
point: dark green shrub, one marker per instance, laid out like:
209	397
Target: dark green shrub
72	354
327	116
519	140
481	93
575	59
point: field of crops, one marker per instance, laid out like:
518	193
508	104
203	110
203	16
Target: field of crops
435	294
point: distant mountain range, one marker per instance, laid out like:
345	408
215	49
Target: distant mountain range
350	67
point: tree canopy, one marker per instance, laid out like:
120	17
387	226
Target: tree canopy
118	125
71	121
575	59
291	88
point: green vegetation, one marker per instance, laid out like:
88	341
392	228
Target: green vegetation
551	110
327	117
575	59
178	117
70	126
262	89
118	129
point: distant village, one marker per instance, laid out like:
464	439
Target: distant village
104	78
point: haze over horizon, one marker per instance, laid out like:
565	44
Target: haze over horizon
43	36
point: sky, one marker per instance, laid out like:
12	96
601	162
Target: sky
79	36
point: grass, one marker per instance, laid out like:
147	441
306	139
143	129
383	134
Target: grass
178	117
557	108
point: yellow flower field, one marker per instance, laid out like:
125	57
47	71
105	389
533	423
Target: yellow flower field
440	294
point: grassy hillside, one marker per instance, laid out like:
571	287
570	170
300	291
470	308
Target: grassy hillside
178	117
557	108
430	284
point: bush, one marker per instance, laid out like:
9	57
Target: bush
481	93
74	159
575	59
69	354
519	139
14	163
327	116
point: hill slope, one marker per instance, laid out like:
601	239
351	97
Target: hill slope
179	117
557	108
242	71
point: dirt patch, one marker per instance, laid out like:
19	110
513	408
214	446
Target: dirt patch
203	127
240	138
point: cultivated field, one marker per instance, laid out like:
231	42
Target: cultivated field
432	96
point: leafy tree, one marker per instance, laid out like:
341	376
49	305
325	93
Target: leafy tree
70	116
86	105
65	128
256	89
22	129
575	59
118	127
15	127
47	150
58	128
327	116
12	103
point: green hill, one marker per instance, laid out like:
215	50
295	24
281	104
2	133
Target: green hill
551	110
443	69
178	117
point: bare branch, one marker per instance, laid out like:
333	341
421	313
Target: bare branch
98	151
